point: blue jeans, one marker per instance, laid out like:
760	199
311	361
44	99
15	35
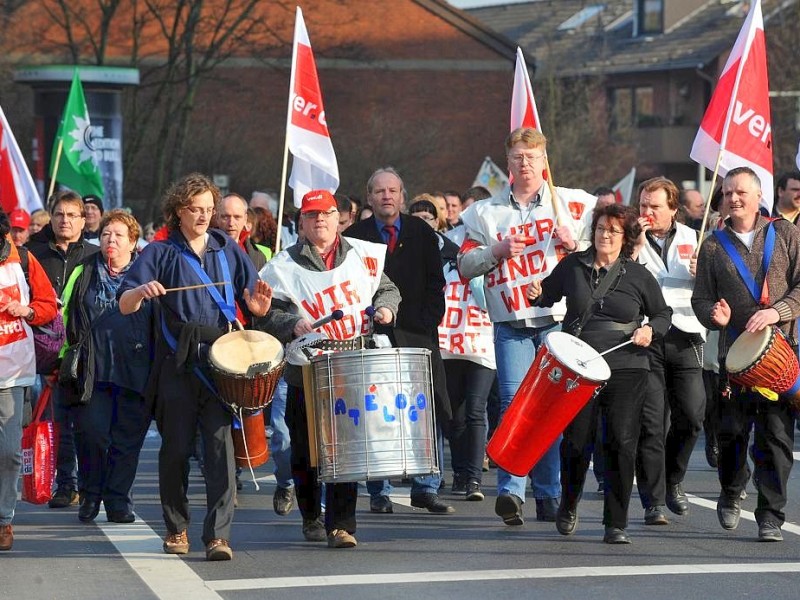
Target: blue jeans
420	484
515	350
11	400
279	443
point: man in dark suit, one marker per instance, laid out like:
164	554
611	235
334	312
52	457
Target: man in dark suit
414	264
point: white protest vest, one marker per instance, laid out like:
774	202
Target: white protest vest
316	294
674	278
489	222
17	359
465	331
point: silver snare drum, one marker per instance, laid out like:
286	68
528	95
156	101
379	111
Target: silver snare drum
374	414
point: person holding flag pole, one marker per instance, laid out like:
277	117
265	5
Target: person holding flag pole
314	165
512	238
73	162
748	280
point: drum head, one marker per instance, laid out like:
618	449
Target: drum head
236	351
578	356
747	349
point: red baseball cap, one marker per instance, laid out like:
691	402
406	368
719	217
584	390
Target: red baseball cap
318	200
19	218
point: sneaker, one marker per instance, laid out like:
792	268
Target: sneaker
509	508
218	549
769	532
459	485
474	493
314	530
339	538
6	537
654	515
601	489
282	500
63	498
176	543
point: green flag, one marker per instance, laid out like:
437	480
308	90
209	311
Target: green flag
77	168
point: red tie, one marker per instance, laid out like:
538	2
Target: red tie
391	231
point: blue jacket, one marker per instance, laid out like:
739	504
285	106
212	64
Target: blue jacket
164	262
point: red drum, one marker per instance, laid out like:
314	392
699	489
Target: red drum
250	440
565	374
765	359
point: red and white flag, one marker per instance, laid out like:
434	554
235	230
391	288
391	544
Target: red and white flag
736	128
17	189
523	104
314	164
623	190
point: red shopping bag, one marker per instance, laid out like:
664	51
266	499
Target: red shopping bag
39	450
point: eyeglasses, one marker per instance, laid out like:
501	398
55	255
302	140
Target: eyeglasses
198	210
67	216
523	158
612	232
314	214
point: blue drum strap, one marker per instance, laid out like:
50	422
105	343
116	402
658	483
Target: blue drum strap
227	306
750	282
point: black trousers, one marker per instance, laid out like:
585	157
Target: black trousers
468	385
183	404
109	433
672	416
619	405
340	498
773	426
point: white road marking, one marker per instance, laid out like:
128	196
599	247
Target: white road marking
545	573
746	514
166	575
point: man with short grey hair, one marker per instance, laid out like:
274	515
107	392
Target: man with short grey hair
748	280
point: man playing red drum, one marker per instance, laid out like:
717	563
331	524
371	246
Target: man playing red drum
322	274
732	294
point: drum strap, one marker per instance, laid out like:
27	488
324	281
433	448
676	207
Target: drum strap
597	296
226	306
760	296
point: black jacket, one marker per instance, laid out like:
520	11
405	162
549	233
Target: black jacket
415	267
58	264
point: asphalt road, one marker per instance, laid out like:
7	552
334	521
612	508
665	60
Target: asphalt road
408	554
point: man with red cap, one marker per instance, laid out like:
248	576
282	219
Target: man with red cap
294	275
20	221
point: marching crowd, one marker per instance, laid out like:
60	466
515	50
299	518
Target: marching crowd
478	280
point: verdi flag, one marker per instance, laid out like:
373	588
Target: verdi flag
736	130
77	166
314	165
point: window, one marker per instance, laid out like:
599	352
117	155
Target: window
632	107
650	16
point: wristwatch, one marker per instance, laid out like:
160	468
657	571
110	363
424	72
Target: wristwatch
31	315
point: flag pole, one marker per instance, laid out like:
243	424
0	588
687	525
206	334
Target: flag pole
292	75
552	187
55	169
708	200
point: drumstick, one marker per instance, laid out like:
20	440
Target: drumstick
582	363
194	287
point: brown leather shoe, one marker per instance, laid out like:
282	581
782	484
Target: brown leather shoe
177	543
6	537
218	549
